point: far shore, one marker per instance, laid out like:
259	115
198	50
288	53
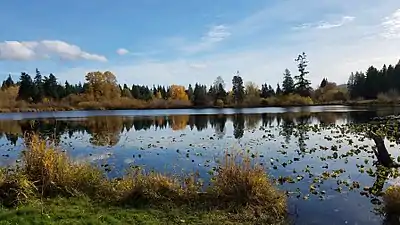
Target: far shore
55	107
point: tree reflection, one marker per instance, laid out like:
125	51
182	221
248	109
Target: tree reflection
218	123
105	131
201	122
238	126
252	121
302	121
268	119
288	125
179	122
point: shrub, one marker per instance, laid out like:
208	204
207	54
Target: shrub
55	174
92	105
173	103
388	97
140	187
391	200
242	185
219	103
15	188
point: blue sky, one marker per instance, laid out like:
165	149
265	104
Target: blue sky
182	42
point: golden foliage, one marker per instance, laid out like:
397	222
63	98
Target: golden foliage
178	92
8	96
102	85
179	122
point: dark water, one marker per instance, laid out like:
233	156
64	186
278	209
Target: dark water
193	140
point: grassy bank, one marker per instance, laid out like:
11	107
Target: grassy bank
240	192
84	211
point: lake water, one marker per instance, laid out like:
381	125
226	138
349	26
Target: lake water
315	157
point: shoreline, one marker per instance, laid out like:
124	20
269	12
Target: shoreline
56	108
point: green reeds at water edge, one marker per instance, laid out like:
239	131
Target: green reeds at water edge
239	188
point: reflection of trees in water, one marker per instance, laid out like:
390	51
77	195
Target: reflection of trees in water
267	119
327	118
287	127
252	121
106	130
238	125
201	122
179	122
302	121
218	123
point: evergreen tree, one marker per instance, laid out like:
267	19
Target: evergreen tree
200	95
126	92
51	87
238	88
288	83
372	83
69	89
278	89
120	89
221	93
324	82
271	91
135	92
219	90
25	91
190	93
266	91
302	85
7	83
38	89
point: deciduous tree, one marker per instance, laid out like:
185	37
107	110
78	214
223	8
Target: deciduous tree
102	85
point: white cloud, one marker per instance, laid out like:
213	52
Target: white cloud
216	34
198	65
31	50
326	24
122	51
391	25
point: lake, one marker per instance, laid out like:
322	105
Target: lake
303	148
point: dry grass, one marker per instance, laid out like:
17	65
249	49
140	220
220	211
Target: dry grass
53	173
238	186
391	200
15	188
287	100
140	187
242	185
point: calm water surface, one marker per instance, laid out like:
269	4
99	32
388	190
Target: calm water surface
193	140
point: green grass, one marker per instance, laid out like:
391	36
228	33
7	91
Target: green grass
82	211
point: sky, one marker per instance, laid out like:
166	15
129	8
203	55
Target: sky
180	42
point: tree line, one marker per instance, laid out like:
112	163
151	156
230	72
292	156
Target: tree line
375	82
102	86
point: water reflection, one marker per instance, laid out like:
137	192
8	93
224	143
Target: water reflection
106	130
